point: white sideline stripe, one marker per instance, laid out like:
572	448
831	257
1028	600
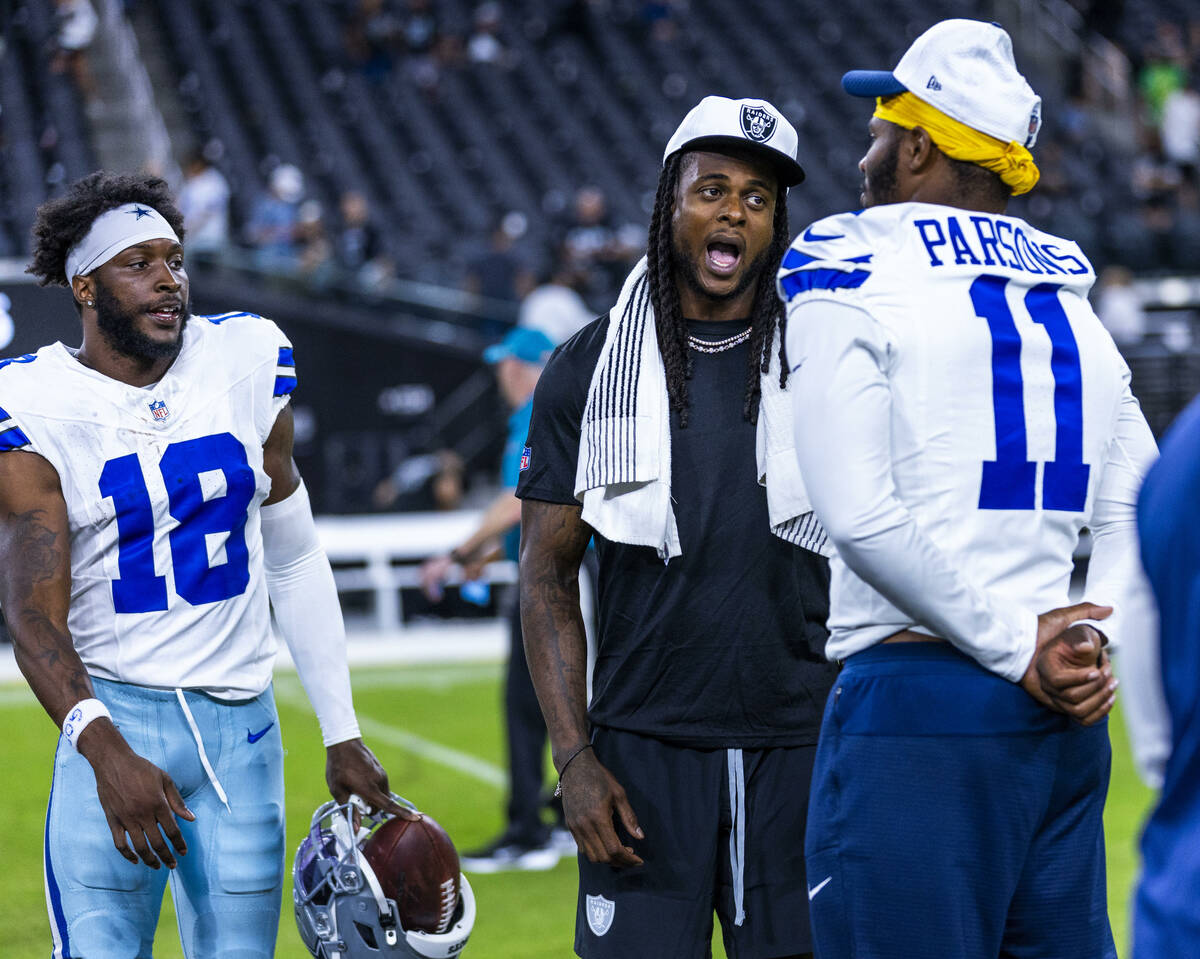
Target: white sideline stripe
465	763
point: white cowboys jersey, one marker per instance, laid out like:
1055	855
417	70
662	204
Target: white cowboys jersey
163	486
1011	424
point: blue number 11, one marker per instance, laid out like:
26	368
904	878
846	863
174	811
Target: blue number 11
1009	481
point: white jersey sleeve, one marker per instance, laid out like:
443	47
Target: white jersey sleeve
958	412
163	486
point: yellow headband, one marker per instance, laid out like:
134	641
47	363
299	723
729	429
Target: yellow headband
958	141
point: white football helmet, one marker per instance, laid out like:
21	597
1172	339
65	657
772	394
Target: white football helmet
341	910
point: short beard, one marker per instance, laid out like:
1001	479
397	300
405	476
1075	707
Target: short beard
685	267
883	183
119	329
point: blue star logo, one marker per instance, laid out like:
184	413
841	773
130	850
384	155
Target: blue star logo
139	212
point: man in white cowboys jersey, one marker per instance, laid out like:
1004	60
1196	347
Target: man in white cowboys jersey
966	416
148	504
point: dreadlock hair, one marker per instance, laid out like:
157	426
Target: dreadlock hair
61	223
766	313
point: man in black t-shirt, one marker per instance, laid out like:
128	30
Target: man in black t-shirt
663	430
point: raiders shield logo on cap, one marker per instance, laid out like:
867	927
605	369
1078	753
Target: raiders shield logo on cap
758	123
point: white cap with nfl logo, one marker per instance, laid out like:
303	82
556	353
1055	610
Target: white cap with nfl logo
965	68
718	122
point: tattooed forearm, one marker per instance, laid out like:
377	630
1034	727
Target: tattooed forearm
35	580
553	540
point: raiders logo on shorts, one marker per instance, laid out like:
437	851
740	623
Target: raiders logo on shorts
758	123
600	914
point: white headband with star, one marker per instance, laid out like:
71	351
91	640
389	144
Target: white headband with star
113	231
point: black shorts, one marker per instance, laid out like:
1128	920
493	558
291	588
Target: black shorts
664	908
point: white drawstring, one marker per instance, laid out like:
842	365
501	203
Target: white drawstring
737	832
212	776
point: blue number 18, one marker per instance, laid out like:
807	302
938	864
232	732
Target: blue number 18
1010	479
139	589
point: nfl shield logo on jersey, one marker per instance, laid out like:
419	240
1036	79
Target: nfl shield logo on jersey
159	410
600	914
525	456
758	123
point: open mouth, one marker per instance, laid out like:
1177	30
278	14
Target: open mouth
166	314
722	258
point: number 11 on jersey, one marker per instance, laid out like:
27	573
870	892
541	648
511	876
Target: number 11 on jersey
1010	480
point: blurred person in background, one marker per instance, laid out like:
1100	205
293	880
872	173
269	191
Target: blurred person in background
77	24
554	306
527	842
499	272
273	227
358	245
204	202
1181	128
1119	306
598	249
431	481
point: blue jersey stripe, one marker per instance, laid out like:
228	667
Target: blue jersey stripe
218	318
60	919
285	356
284	385
794	259
13	439
822	279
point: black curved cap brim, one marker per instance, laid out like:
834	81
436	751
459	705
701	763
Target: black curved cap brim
872	83
788	170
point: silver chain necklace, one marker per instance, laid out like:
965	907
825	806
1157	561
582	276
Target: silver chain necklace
719	346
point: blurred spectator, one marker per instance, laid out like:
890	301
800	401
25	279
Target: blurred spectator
484	45
373	38
432	481
1164	72
555	306
272	230
77	23
359	246
204	201
597	248
1119	306
315	250
1181	128
527	841
498	272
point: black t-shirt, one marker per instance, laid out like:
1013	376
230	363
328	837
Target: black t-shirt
724	645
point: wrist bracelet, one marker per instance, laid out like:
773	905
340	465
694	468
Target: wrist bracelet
563	771
80	716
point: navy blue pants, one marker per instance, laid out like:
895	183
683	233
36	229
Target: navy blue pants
953	817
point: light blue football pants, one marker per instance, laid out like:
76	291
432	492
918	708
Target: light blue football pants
227	888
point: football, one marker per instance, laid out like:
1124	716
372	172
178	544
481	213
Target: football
417	867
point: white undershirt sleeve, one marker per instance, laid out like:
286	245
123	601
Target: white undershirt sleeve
1116	578
842	398
304	597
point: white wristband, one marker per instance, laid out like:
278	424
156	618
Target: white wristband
80	716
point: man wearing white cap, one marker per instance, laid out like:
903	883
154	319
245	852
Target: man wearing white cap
966	416
664	431
148	502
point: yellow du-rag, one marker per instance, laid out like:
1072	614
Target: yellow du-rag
958	141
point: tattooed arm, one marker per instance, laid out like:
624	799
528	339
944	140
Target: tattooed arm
553	540
35	593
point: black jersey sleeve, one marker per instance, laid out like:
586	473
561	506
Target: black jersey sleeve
552	447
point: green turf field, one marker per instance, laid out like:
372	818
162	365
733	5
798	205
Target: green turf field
437	730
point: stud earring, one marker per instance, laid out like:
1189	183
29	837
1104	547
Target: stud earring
91	302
